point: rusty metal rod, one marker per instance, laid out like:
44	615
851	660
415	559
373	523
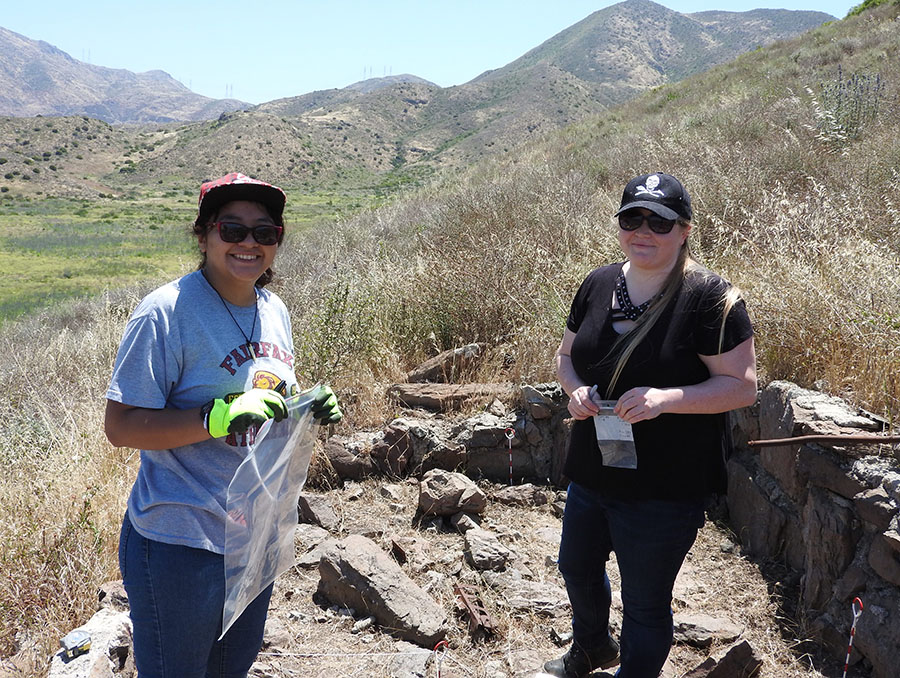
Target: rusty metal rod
855	439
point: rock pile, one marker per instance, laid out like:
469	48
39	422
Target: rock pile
830	510
831	513
368	585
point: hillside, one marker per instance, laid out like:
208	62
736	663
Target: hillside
612	55
630	47
791	152
36	78
376	133
792	157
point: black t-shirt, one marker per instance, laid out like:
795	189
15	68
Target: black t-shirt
680	456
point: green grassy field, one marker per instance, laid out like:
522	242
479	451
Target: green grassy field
53	249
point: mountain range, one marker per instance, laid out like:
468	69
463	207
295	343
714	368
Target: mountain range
382	125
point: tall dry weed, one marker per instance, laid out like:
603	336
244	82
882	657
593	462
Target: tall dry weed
63	490
495	255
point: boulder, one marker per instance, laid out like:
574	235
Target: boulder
356	573
317	510
410	661
738	660
524	595
875	507
110	653
443	493
447	397
878	631
447	367
830	534
310	542
350	457
884	556
520	495
414	445
112	595
700	630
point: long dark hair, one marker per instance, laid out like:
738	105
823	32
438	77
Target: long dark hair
202	227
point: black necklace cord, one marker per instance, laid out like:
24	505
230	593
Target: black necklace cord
247	340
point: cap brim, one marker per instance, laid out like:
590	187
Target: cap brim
654	207
269	196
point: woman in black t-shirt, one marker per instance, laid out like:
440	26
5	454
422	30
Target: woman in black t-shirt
671	345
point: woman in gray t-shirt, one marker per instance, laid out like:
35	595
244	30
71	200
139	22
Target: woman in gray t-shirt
204	360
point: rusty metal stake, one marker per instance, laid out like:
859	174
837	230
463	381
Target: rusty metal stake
840	439
480	621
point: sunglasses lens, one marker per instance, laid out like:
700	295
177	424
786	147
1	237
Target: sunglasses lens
230	232
264	235
659	225
632	221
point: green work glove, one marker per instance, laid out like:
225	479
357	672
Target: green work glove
325	407
248	409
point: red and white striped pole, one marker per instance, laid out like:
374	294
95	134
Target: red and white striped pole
857	611
510	434
443	646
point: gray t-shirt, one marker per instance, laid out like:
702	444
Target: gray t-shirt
180	349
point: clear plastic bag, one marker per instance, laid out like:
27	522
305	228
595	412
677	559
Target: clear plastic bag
262	505
614	437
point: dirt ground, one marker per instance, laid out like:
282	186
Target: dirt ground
309	640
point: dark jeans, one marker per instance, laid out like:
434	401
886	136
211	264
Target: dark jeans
176	595
650	539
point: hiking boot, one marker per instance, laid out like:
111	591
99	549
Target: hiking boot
577	662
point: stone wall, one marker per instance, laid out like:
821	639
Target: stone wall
826	511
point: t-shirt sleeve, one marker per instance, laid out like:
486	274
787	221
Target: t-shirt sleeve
146	367
709	331
580	304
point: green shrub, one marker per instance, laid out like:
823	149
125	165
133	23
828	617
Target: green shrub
867	5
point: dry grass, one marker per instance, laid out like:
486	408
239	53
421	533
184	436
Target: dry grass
802	218
802	215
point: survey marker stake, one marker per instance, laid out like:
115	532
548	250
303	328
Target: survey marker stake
857	608
510	434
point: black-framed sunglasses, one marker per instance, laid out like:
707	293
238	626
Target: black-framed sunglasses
266	234
631	221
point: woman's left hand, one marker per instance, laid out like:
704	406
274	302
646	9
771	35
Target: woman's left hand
639	404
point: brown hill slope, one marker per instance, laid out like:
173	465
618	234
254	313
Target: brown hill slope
36	78
385	129
613	55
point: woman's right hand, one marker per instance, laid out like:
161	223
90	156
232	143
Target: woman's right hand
581	406
251	408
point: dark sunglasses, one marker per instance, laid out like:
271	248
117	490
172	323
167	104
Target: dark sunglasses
631	221
267	234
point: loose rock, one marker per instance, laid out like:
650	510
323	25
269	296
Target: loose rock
357	573
443	493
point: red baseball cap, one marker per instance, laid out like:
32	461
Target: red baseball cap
237	186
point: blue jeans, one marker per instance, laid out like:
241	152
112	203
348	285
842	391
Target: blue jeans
176	595
650	539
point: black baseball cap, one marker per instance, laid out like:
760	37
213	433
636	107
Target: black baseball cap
658	192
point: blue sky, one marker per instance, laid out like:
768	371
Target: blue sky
268	49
